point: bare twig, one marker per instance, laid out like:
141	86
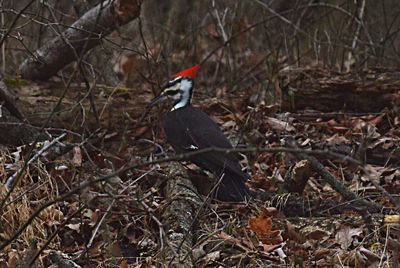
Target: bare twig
13	178
360	16
15	21
178	157
100	222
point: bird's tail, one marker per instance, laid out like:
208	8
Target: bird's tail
232	187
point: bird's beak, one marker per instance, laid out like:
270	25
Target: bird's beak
157	100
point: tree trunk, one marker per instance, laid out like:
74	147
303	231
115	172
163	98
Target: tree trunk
83	35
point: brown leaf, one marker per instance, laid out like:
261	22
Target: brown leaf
346	234
124	264
292	234
366	258
270	248
77	159
75	227
141	131
279	125
321	253
262	226
377	120
317	234
225	236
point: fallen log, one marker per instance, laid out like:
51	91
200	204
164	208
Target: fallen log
178	217
116	105
80	37
328	91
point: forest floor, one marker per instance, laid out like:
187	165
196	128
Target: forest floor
117	222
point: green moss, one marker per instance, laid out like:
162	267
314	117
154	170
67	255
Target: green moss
13	81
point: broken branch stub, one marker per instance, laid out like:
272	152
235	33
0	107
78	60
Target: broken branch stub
83	35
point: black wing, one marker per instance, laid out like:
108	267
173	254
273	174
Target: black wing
189	128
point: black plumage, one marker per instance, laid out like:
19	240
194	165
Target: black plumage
188	129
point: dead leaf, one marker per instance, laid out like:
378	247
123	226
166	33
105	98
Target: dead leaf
321	253
278	125
262	226
234	240
392	220
337	139
74	226
366	258
377	120
317	234
77	159
213	256
346	235
124	264
270	248
292	234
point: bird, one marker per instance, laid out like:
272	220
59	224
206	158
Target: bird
189	129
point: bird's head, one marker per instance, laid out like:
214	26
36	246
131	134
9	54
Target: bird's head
179	88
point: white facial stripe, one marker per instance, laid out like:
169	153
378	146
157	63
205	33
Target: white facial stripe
185	93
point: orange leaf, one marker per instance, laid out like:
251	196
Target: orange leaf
124	264
262	226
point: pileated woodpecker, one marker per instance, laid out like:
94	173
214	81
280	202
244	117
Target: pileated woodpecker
189	129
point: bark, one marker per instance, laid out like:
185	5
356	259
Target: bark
36	101
83	35
327	91
377	155
179	217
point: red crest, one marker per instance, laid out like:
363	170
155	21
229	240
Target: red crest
190	72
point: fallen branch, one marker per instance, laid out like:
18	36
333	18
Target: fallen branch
293	205
83	35
336	184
